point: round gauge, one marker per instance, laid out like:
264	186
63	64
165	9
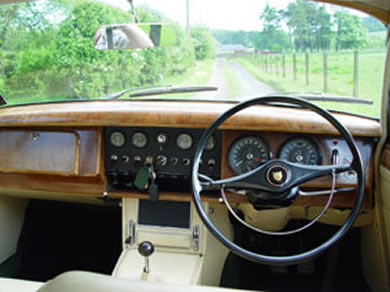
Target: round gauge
247	153
162	138
117	139
300	150
184	141
211	142
139	140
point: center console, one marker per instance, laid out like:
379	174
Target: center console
183	251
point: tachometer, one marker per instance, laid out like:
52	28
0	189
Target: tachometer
247	153
300	150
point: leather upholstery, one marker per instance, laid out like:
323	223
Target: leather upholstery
12	285
90	282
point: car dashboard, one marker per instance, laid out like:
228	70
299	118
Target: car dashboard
93	151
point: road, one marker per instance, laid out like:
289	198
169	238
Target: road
246	85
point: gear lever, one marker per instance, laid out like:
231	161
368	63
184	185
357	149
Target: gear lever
146	249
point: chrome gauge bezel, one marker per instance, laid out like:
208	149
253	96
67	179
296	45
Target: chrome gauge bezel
139	144
267	148
117	133
309	141
181	142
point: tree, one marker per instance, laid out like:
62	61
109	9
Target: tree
350	33
309	24
204	42
272	37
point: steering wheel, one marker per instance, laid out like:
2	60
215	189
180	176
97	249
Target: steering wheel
277	181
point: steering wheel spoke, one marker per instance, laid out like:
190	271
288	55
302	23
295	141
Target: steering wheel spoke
275	176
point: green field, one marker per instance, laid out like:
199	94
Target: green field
340	77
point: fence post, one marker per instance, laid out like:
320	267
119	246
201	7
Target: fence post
307	68
277	65
295	66
325	72
356	74
266	63
284	65
263	60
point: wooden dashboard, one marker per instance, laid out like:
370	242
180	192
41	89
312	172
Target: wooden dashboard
56	151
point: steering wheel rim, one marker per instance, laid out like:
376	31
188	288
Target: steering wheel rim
357	164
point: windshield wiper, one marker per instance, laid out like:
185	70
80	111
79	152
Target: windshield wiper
156	90
320	96
118	94
172	90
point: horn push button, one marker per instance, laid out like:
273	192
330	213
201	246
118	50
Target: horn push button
277	176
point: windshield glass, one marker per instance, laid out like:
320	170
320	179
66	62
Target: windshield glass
247	48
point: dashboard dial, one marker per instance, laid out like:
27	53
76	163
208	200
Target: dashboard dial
247	153
211	143
184	141
117	139
300	150
139	140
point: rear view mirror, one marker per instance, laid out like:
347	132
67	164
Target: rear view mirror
134	36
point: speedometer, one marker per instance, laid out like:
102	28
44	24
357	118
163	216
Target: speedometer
247	153
300	150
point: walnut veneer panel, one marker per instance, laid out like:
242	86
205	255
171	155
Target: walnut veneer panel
188	114
39	151
59	151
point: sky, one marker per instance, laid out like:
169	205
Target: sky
216	14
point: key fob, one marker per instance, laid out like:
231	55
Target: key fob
141	180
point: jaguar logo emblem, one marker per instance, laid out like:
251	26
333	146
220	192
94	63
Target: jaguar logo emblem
278	175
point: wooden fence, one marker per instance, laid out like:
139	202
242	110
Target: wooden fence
276	63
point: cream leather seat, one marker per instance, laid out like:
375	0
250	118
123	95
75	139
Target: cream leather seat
90	282
12	285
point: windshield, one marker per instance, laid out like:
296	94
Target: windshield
247	48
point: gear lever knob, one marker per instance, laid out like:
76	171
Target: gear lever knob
146	249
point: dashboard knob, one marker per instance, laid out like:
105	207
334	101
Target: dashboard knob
211	163
125	158
161	160
174	160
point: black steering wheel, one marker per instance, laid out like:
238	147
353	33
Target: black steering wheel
276	182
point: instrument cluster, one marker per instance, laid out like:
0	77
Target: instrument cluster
249	152
169	150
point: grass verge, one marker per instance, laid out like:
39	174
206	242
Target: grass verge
340	77
198	75
232	81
